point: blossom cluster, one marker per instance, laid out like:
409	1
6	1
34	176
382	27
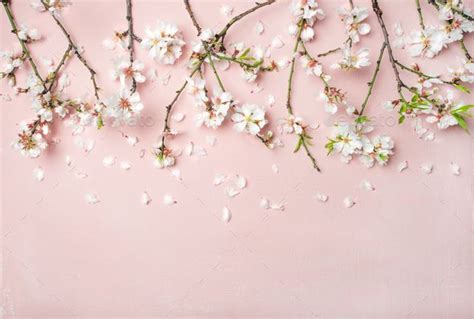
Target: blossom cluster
351	140
453	25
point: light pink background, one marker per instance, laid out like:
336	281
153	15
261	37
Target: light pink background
403	251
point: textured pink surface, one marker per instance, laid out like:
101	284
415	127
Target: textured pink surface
403	250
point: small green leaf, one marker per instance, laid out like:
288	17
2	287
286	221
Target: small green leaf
362	119
462	88
462	109
298	144
100	122
461	121
401	119
330	146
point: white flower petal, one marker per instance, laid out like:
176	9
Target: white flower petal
211	140
176	173
427	168
366	185
277	43
91	198
178	117
322	197
145	199
226	215
219	179
259	27
275	168
168	200
455	169
108	161
240	182
348	202
231	192
125	165
264	203
81	175
38	174
402	166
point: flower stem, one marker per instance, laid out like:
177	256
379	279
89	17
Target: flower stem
130	46
92	72
466	52
60	65
372	81
320	55
420	14
221	35
23	45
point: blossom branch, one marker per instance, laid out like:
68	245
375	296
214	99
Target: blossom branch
235	19
420	14
372	81
76	50
131	39
303	138
23	45
54	75
466	52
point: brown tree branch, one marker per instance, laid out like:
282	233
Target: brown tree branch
130	46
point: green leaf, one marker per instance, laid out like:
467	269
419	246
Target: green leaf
401	119
462	109
330	146
462	88
298	144
362	119
100	122
461	121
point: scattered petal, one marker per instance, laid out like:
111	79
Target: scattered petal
211	140
177	117
264	203
68	160
165	79
277	43
219	179
132	140
108	161
240	182
402	166
91	198
125	165
427	168
81	175
455	169
226	215
348	202
322	197
176	173
188	149
145	198
270	100
278	206
226	10
259	27
231	192
168	200
275	168
38	174
199	151
366	185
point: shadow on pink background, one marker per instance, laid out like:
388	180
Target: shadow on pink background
403	251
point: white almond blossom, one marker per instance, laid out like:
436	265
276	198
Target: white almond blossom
54	6
292	124
464	73
164	42
164	159
10	63
352	60
455	28
249	118
308	10
214	114
352	19
428	42
332	97
442	115
118	39
28	35
30	144
197	89
126	72
124	105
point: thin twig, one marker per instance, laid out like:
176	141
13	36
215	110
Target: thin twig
130	46
76	52
378	12
328	52
23	45
59	66
311	157
466	52
193	17
420	14
235	19
372	81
